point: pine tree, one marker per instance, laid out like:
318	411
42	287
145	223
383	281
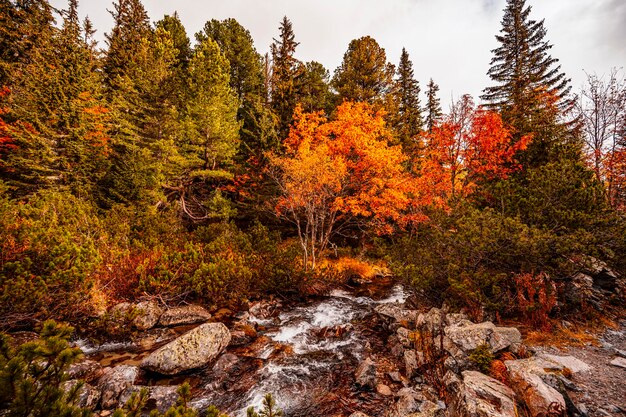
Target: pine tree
409	122
130	25
286	69
178	34
364	74
209	138
247	81
531	92
314	88
433	105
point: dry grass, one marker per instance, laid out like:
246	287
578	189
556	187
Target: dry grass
349	266
561	337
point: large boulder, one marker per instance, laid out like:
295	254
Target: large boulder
396	313
194	349
147	314
86	370
114	381
159	397
184	315
88	396
468	336
408	403
411	363
529	379
365	374
483	396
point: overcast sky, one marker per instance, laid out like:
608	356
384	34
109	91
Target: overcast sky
448	40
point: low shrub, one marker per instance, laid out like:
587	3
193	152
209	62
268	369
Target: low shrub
48	257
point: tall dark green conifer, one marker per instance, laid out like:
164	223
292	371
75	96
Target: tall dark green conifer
433	105
314	88
364	74
247	81
409	121
531	92
285	70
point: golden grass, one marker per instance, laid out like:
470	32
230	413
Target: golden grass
348	266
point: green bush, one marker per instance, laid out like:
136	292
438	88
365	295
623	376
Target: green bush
470	259
31	375
482	357
48	256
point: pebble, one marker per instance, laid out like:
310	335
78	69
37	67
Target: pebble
619	362
383	389
583	409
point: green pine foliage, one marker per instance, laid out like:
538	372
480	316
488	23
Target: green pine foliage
32	375
364	74
286	70
269	408
408	123
433	105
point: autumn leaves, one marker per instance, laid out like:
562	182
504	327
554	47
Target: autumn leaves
345	173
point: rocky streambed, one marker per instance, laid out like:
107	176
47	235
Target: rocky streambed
352	351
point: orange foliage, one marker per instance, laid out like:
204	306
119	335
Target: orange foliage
536	297
339	173
470	146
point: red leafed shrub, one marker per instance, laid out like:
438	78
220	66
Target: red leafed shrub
536	297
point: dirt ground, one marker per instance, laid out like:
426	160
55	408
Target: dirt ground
600	391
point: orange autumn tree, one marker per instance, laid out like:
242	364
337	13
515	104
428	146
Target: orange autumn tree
469	146
338	174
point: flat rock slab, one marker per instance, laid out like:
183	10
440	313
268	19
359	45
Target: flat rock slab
619	362
526	379
573	364
486	397
194	349
184	315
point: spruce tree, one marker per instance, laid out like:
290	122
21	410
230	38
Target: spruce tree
364	74
530	90
433	105
409	121
257	130
286	69
314	88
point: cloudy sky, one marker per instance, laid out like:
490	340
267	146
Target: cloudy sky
448	40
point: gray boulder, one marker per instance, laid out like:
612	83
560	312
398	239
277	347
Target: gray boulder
408	403
529	379
395	312
468	336
365	374
194	349
114	381
159	397
411	364
184	315
483	396
88	396
147	314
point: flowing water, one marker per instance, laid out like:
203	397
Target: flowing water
305	356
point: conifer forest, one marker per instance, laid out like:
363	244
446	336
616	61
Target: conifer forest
194	224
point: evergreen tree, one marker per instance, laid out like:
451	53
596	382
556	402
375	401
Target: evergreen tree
178	34
531	92
286	69
208	140
409	121
314	88
143	89
433	105
257	130
59	119
364	74
130	26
